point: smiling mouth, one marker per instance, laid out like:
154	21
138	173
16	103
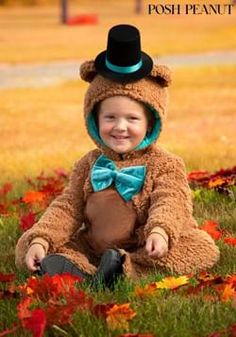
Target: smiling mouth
119	138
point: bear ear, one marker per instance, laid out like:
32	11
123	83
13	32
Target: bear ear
161	74
88	71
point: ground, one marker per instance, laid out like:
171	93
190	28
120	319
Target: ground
43	129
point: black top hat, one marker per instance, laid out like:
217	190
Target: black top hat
123	61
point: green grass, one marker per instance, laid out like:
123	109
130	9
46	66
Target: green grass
166	313
200	128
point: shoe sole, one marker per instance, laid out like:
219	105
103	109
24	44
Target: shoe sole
58	264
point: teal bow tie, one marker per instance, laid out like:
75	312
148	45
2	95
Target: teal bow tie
128	181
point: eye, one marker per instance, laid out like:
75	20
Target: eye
109	117
133	118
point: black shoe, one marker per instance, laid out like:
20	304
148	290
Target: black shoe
109	270
57	264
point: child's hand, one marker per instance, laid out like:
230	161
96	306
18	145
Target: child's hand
156	245
34	256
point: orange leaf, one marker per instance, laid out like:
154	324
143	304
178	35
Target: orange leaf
32	197
172	282
216	182
23	311
228	293
230	241
148	289
231	279
119	315
210	227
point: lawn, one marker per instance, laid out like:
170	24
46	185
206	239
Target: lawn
33	34
165	305
42	129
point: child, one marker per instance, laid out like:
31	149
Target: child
127	208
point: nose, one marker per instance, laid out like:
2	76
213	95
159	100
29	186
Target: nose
120	124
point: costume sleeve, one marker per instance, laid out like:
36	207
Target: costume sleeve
61	219
171	204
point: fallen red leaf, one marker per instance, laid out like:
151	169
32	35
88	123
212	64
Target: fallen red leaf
205	280
59	294
6	294
49	287
100	310
48	187
230	241
219	179
136	335
197	175
215	334
27	221
211	227
9	331
6	188
32	197
4	209
7	277
36	323
23	311
232	330
59	314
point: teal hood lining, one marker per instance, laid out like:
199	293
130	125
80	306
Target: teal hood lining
149	139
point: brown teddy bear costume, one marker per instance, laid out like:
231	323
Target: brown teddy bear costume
83	222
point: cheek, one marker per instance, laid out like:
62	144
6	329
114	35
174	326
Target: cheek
138	130
104	128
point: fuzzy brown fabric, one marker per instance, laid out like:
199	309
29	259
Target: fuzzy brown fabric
81	224
150	90
165	201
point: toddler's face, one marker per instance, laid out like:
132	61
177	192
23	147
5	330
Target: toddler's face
122	123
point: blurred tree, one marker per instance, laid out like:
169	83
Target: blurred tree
138	6
64	11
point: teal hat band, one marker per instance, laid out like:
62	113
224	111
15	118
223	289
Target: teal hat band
124	70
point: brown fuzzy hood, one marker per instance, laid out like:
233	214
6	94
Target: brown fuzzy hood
151	91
